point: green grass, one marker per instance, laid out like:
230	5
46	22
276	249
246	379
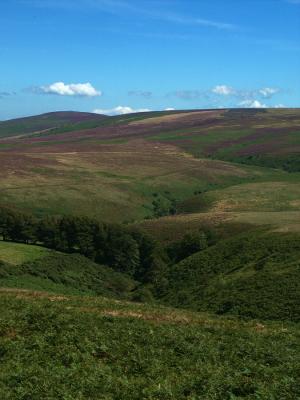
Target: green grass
109	121
59	347
45	122
263	196
116	182
17	253
67	328
63	273
253	275
116	186
199	137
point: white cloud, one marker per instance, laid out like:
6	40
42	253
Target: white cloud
265	92
279	106
252	104
223	90
120	110
169	109
268	92
73	89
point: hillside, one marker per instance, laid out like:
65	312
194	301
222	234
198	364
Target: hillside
46	122
37	268
253	275
235	269
153	164
197	210
62	347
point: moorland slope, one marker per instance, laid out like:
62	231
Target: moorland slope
195	209
236	165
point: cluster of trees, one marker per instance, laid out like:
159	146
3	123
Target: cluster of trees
163	204
122	248
289	163
125	250
191	243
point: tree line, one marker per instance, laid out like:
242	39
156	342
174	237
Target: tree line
124	249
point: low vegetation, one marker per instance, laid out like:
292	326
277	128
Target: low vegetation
254	275
61	347
108	222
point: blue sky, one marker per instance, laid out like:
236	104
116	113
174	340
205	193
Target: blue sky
116	56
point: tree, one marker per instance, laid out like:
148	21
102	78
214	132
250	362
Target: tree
190	244
48	232
121	251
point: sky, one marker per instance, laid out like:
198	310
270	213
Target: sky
120	56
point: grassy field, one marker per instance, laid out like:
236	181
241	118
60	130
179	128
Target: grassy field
26	266
62	347
116	183
168	229
17	253
115	170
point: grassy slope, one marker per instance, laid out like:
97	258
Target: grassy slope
67	121
115	183
60	347
267	138
27	266
111	172
17	253
55	346
255	275
47	121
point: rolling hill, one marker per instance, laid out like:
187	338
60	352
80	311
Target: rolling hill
34	267
46	122
223	185
253	275
139	166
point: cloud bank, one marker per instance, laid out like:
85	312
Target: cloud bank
223	90
72	89
268	92
224	96
120	110
252	104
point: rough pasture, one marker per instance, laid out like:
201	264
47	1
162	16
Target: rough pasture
218	133
108	180
114	170
45	122
59	346
228	223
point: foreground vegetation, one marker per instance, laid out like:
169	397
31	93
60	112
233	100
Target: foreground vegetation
60	347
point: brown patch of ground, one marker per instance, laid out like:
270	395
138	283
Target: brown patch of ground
32	294
175	117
